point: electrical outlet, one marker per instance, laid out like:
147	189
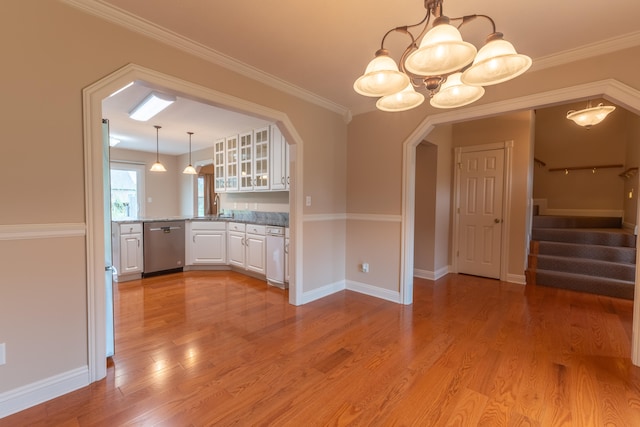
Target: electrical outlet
3	354
308	201
365	267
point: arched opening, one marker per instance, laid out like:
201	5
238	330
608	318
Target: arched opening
612	90
94	203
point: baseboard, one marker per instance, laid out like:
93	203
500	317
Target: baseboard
24	397
519	279
632	228
431	275
322	292
374	291
584	212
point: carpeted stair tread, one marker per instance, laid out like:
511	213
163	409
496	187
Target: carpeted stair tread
584	283
590	267
588	236
603	253
558	221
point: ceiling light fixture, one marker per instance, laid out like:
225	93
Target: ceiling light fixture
157	166
591	115
190	170
150	106
452	70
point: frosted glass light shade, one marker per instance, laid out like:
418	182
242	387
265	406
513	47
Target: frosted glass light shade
590	116
454	93
406	99
496	62
190	170
441	51
157	167
381	77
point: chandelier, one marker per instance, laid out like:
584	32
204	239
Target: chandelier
452	71
590	116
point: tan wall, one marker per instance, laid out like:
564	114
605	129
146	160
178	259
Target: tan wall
632	160
425	212
561	143
55	51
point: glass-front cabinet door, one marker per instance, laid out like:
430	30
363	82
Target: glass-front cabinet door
232	163
219	166
261	159
246	161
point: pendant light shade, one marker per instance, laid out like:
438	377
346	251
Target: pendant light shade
591	115
441	51
497	61
404	100
190	170
381	77
157	166
454	93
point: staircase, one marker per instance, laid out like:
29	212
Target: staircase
585	254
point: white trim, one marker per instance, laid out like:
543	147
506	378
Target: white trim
374	291
374	217
610	89
134	23
519	279
322	292
598	48
29	395
432	275
324	217
41	231
584	212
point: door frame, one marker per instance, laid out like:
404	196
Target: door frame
507	148
92	97
610	89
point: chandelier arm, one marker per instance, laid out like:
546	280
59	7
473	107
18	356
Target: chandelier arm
405	29
468	18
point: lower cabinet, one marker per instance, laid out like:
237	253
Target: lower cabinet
206	243
246	245
286	255
127	251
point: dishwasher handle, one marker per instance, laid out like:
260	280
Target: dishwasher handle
164	229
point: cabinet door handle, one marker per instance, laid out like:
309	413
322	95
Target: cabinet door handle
194	238
286	248
138	242
282	180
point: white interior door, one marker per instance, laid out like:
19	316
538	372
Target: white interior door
480	216
108	262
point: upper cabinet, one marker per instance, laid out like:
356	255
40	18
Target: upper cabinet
252	161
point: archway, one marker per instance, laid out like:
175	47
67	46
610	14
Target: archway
94	205
611	89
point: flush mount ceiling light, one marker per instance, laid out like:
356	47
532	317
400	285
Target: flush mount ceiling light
190	170
591	115
150	106
452	70
157	166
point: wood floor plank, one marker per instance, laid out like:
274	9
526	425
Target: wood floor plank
218	348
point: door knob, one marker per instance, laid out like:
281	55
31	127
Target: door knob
497	221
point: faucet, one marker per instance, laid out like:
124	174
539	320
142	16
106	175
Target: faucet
216	203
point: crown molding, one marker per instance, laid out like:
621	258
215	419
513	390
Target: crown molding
149	29
601	47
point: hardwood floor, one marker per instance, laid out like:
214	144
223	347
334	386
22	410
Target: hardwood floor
219	348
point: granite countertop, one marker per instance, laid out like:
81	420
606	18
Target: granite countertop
249	217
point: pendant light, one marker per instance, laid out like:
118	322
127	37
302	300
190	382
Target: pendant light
590	116
190	170
157	166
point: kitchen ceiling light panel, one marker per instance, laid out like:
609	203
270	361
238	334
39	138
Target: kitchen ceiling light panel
150	106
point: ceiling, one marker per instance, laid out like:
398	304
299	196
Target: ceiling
322	47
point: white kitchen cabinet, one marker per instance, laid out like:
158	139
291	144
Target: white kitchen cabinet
256	248
279	167
246	246
206	243
261	159
128	251
235	244
231	163
245	156
219	166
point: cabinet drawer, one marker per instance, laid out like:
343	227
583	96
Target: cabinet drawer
256	229
208	225
236	226
131	228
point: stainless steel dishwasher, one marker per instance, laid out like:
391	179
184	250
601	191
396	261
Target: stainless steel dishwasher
163	247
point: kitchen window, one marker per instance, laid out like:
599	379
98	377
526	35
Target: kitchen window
127	191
